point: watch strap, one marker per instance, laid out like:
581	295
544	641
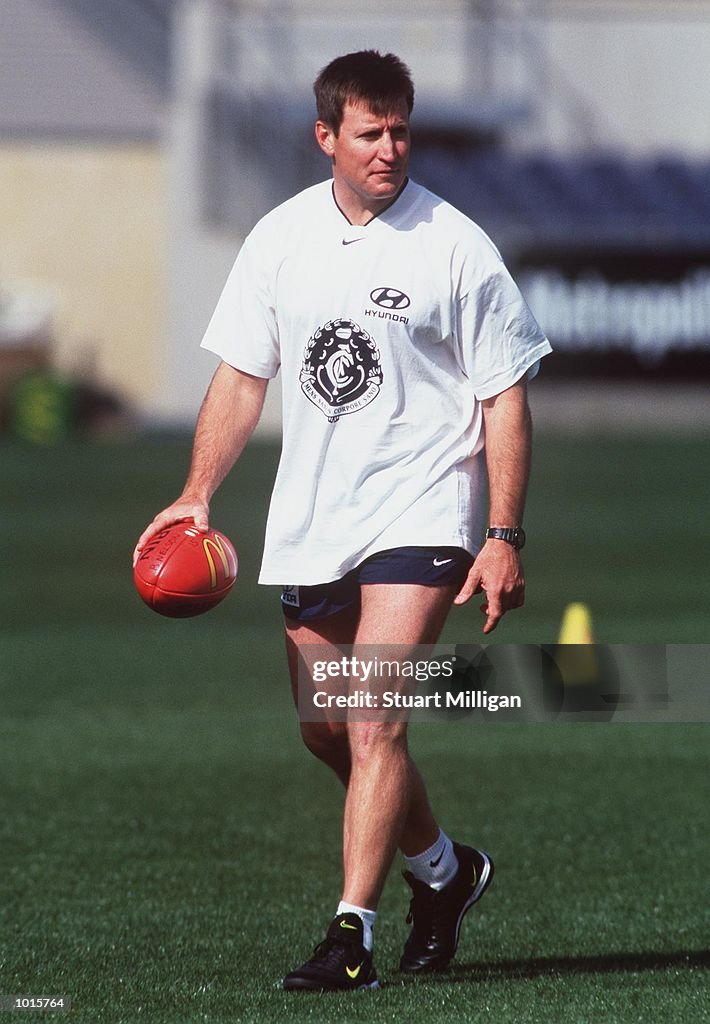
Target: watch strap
513	535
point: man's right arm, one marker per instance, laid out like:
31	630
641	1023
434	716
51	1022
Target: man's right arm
229	414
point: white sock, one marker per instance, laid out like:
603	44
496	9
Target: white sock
437	866
366	916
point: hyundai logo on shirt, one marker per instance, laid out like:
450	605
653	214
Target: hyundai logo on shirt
389	298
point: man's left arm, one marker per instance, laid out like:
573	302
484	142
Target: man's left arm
498	570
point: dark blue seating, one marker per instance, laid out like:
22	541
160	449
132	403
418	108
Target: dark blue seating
596	198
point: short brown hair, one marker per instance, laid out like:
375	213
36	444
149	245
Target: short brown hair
368	77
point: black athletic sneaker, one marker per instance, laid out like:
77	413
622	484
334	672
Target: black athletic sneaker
436	916
339	963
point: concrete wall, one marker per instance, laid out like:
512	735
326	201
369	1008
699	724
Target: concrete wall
85	224
623	75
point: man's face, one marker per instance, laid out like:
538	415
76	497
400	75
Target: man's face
370	155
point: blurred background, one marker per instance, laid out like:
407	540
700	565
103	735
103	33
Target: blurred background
140	140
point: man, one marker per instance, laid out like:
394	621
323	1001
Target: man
402	341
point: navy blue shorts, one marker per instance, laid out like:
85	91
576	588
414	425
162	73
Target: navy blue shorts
429	567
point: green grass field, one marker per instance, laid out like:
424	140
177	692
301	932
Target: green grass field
168	849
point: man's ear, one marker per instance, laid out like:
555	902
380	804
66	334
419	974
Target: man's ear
324	137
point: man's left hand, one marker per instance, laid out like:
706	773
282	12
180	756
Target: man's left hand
498	571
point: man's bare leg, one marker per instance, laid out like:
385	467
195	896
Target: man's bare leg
386	803
329	740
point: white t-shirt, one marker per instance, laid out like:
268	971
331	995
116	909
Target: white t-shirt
387	336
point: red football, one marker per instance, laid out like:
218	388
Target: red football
183	571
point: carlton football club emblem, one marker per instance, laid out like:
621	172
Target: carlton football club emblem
341	369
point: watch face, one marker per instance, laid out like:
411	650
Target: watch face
520	538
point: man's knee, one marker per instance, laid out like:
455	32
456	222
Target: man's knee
372	739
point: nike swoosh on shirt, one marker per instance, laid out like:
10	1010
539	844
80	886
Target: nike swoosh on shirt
349	241
442	561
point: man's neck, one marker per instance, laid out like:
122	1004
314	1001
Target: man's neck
360	212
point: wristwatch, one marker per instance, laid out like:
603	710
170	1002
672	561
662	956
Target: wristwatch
514	535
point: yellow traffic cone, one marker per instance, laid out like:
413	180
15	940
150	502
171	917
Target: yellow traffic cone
589	674
576	625
576	660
